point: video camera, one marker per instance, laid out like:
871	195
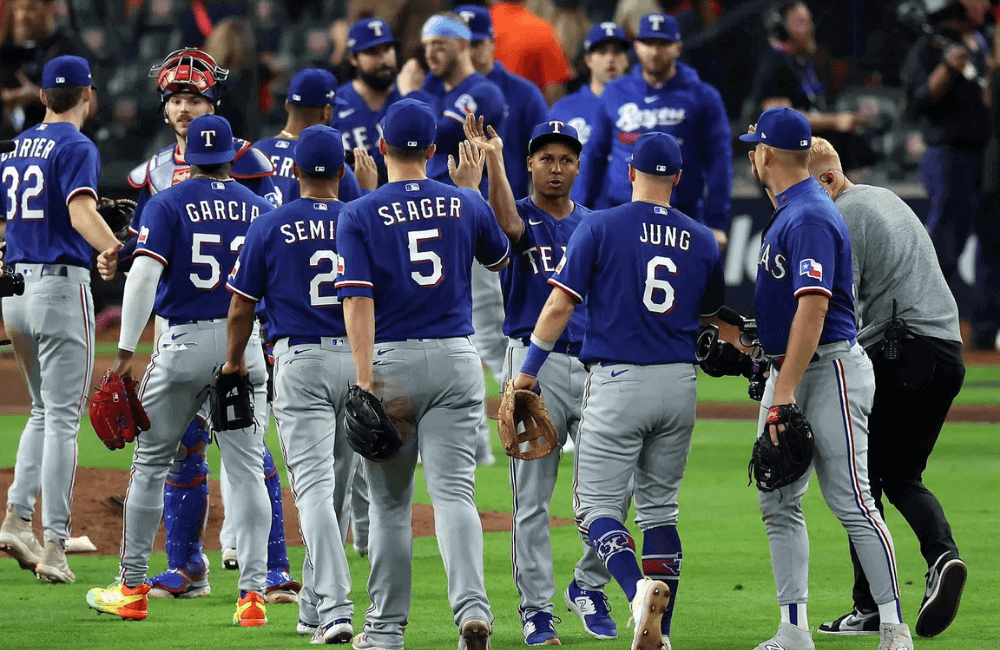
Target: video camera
720	358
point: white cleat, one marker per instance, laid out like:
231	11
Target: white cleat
648	607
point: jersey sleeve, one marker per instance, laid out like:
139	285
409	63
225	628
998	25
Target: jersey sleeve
249	275
715	288
594	159
354	266
574	271
716	149
492	244
811	250
156	234
140	205
79	167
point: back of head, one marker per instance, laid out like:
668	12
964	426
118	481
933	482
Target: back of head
408	129
309	92
64	80
657	156
786	132
320	152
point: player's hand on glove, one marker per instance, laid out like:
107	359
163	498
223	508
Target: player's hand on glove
365	169
370	429
477	134
107	264
469	170
122	365
116	412
525	382
523	422
231	397
783	451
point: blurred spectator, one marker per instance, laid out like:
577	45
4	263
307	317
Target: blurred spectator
527	46
945	76
197	23
786	76
569	20
244	100
691	14
606	58
32	38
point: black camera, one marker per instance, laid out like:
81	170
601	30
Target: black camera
11	284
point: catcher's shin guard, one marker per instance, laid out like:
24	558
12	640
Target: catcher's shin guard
185	499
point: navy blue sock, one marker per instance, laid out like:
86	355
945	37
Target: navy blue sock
661	560
616	548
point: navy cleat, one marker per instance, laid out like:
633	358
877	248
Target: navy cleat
593	609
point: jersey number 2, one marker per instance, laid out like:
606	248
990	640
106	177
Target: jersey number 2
316	261
653	285
34	184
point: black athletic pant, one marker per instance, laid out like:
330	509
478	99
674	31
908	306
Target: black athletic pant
912	398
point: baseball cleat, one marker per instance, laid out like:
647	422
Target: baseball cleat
364	642
53	567
789	637
229	561
895	636
250	610
593	609
305	629
281	587
538	629
189	582
945	582
852	623
338	632
648	607
127	603
475	635
17	538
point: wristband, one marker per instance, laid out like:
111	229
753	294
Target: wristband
545	345
534	360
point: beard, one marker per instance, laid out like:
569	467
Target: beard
380	80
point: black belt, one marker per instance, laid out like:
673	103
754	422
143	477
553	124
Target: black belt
175	323
304	340
572	349
780	361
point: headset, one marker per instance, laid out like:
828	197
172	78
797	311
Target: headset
774	19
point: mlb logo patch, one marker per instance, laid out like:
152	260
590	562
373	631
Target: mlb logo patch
466	104
218	186
143	234
660	210
282	144
811	268
411	187
319	206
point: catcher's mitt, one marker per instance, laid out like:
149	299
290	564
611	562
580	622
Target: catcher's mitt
232	401
522	418
117	213
115	411
773	467
370	430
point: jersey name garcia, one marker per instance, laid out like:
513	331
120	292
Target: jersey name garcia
410	245
196	230
290	257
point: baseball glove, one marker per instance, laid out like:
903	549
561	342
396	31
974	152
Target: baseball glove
370	430
773	467
117	213
115	411
232	401
524	410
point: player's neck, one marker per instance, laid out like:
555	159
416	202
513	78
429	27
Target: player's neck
557	208
463	70
374	98
293	127
222	174
782	179
74	116
654	195
405	171
658	80
596	87
319	190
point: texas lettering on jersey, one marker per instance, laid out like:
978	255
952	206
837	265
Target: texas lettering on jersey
775	267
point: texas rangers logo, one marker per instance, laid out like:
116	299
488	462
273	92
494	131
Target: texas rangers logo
466	104
655	21
556	126
812	269
209	137
613	543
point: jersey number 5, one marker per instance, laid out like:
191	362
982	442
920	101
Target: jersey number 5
418	256
33	185
654	285
200	258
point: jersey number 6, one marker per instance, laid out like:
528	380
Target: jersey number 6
654	284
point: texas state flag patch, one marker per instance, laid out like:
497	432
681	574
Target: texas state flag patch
811	268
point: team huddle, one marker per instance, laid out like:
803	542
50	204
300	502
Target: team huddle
279	262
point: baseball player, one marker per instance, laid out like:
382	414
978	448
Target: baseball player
290	258
639	336
606	57
190	235
661	94
312	99
187	80
539	228
409	244
49	184
805	308
917	356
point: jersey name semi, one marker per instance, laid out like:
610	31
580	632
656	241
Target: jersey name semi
196	230
290	256
648	273
52	164
806	249
281	153
410	245
534	258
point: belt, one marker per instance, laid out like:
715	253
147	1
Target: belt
780	361
824	351
173	322
54	270
571	349
312	340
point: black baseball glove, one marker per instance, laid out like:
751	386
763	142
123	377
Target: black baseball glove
117	213
232	401
773	467
370	431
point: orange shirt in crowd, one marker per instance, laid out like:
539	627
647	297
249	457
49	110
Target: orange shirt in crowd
527	45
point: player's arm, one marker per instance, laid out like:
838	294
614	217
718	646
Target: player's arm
239	327
803	338
88	222
551	322
501	195
359	318
137	305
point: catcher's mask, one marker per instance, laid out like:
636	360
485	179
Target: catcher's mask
189	70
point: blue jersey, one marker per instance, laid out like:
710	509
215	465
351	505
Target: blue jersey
806	249
526	109
167	168
410	245
290	256
281	152
195	229
579	110
475	95
53	163
648	273
686	108
534	258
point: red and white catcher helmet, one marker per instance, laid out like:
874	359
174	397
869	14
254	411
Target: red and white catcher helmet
189	70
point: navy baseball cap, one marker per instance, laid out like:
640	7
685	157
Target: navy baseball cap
554	131
313	87
320	150
781	128
409	124
369	32
601	33
657	153
659	26
209	141
66	71
478	19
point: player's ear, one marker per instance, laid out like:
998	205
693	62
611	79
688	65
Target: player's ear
631	174
41	97
431	150
295	170
326	116
341	172
677	178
